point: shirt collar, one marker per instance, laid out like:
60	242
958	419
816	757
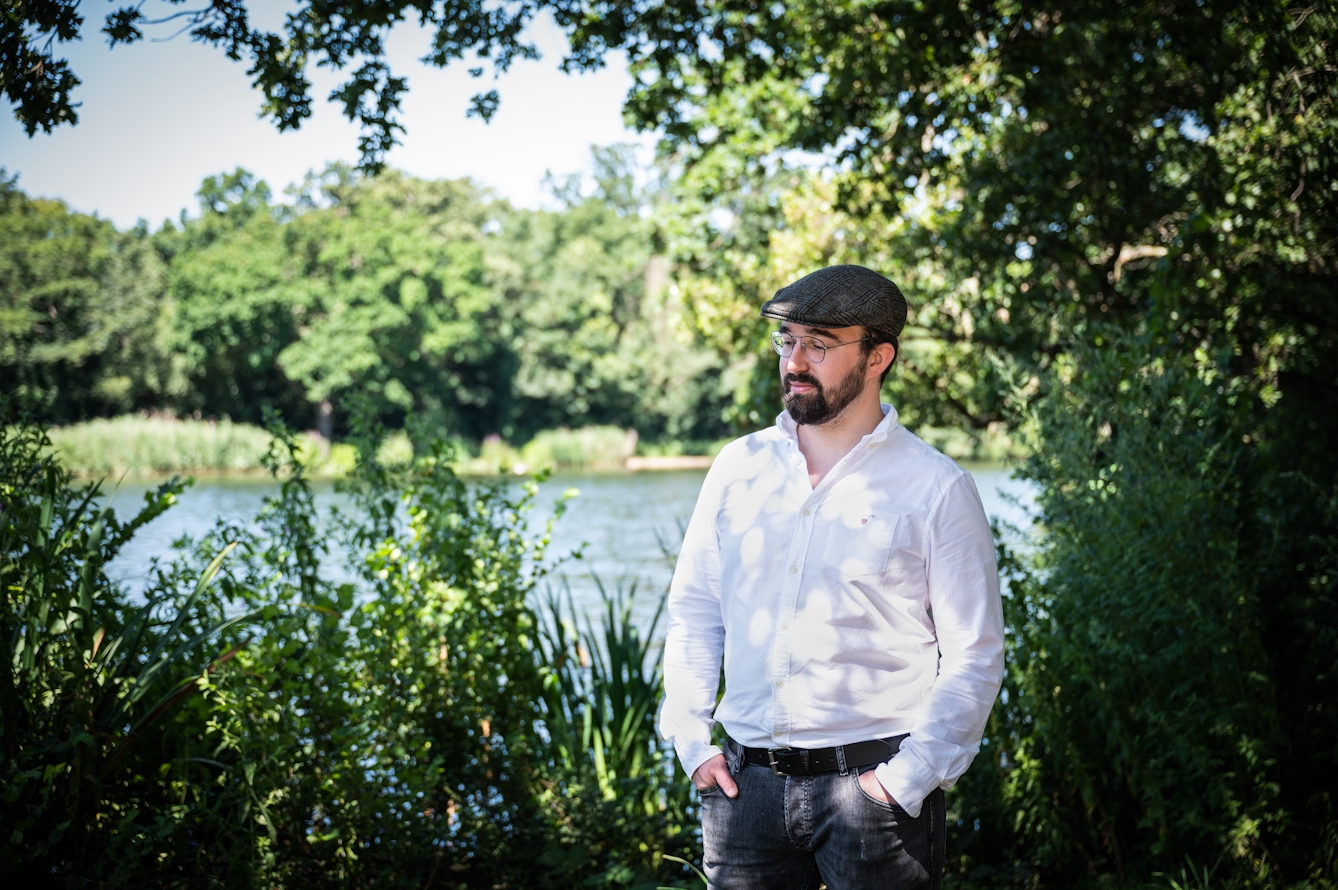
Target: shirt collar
880	432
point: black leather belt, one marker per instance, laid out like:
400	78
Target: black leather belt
807	761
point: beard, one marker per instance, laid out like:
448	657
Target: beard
817	407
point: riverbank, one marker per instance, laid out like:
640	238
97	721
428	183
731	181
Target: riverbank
138	446
144	447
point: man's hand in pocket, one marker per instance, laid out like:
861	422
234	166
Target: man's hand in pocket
872	787
715	772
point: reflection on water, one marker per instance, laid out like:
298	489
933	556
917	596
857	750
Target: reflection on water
624	520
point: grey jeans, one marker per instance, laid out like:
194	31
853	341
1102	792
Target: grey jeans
798	832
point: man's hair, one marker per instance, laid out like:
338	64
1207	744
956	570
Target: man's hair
878	335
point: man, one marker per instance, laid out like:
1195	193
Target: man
845	571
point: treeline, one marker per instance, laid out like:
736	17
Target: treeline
427	298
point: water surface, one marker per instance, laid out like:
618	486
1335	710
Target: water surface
622	523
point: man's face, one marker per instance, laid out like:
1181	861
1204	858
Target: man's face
817	393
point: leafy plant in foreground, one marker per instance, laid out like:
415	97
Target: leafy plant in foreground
89	682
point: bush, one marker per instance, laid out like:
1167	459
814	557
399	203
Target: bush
591	447
253	723
1152	713
495	456
104	731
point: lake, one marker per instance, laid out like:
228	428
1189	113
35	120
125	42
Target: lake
625	520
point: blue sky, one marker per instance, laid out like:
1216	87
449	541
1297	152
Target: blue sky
157	117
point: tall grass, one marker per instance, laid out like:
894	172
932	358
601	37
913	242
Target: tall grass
136	445
591	447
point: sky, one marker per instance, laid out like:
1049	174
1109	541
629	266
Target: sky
158	117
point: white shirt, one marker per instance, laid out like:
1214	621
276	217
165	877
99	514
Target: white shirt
863	608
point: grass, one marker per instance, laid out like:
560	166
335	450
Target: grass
591	447
136	445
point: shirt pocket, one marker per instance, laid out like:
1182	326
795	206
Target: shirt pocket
859	543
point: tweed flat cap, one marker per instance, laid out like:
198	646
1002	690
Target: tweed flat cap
838	296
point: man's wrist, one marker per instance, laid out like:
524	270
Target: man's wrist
692	756
907	781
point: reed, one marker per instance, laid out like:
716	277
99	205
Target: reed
591	447
139	445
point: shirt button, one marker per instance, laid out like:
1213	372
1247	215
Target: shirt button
785	625
780	683
806	512
794	570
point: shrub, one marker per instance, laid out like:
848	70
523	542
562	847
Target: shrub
102	739
1147	717
254	723
495	456
591	447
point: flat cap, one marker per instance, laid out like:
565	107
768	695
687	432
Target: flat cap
838	296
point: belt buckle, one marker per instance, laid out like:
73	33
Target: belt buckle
772	758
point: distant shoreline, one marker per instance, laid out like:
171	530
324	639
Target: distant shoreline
149	447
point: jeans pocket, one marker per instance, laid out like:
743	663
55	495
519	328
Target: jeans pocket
882	804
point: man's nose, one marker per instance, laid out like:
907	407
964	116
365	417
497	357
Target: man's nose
797	362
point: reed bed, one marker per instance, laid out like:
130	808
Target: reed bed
138	445
146	446
150	446
591	447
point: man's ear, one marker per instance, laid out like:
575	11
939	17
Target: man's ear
881	356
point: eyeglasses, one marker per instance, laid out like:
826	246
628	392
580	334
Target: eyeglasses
814	350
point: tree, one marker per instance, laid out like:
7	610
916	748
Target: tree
336	35
394	302
81	328
599	336
231	303
1116	209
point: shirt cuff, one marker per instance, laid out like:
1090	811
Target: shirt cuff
694	754
908	780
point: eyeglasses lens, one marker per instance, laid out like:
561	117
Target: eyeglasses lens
784	345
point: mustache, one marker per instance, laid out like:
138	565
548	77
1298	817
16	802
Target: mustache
802	378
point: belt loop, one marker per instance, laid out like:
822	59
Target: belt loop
841	759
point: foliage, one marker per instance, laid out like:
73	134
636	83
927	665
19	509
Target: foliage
252	723
80	325
34	80
597	447
92	684
1141	722
1115	225
148	445
428	297
1061	182
154	445
600	712
600	338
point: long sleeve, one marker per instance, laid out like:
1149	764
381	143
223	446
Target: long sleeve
696	635
967	613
